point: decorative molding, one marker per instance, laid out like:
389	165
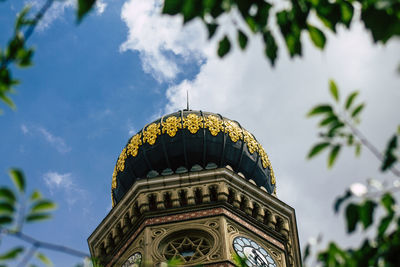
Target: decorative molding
193	196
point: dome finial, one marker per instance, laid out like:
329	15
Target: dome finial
187	99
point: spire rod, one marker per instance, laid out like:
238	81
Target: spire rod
187	99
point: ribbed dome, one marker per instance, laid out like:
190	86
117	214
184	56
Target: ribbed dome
190	141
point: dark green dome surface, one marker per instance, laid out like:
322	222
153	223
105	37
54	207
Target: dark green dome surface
190	141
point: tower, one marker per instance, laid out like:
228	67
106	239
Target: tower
195	188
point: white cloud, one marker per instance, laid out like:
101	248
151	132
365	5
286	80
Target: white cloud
57	142
160	39
56	11
24	129
100	7
272	102
55	180
131	129
63	183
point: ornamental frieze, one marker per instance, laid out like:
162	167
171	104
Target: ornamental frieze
234	131
214	124
133	146
151	133
193	123
171	125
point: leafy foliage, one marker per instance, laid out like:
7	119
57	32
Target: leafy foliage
84	7
239	261
12	213
16	53
337	125
380	17
383	247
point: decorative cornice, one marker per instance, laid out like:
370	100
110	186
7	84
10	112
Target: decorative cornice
147	200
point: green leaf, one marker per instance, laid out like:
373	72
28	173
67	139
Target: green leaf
224	46
21	21
334	90
8	101
388	202
18	178
12	254
352	217
172	7
174	262
251	23
334	127
350	99
271	48
319	110
384	224
333	155
6	207
317	36
347	11
35	195
7	194
328	120
37	217
43	205
212	28
242	39
339	201
306	252
318	148
383	22
367	213
390	156
358	150
5	219
357	110
25	57
44	259
239	261
84	6
350	139
191	9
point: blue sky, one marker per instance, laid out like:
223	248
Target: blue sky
94	85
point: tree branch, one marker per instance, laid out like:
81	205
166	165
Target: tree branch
28	256
370	146
41	244
31	27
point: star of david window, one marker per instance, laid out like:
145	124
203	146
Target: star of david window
187	246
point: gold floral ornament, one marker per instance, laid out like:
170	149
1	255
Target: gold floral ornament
251	143
151	132
134	144
121	161
114	178
214	124
266	163
171	125
273	180
193	123
235	132
264	157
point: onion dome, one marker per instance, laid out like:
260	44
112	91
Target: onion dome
187	141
